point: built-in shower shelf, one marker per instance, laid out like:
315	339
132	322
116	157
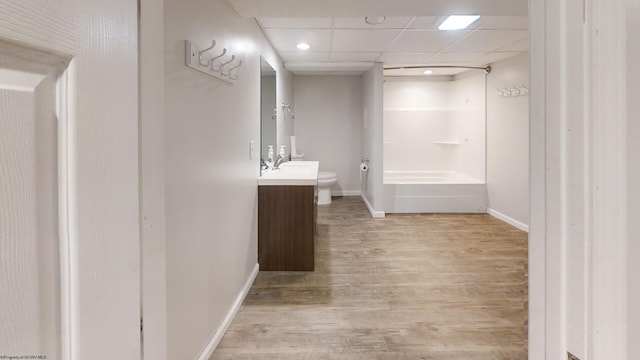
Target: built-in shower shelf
447	142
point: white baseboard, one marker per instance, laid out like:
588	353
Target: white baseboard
215	340
375	214
346	193
508	220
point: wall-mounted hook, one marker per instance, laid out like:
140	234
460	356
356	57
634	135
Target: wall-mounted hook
213	60
204	61
204	52
233	57
224	64
234	76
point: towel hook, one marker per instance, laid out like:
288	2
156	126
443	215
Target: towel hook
234	76
224	51
203	52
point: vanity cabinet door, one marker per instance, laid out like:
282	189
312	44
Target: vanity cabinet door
286	228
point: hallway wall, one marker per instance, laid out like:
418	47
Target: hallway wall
211	192
372	98
328	126
508	142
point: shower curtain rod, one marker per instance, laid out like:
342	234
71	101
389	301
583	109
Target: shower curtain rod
487	69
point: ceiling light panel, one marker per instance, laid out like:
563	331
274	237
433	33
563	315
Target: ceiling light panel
362	40
458	22
426	41
288	39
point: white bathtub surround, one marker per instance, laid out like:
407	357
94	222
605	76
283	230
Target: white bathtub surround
433	192
435	125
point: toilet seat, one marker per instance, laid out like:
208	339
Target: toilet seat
327	175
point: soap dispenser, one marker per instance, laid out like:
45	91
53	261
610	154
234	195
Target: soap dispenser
282	152
270	155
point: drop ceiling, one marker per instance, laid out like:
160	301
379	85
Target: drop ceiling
345	43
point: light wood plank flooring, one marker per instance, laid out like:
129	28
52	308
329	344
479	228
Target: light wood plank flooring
432	286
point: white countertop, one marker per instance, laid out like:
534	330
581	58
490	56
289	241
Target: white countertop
292	173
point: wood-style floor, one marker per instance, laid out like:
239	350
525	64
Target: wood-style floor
432	286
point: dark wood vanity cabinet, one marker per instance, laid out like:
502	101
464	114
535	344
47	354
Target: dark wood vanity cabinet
286	227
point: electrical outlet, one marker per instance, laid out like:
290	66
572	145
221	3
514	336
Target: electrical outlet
572	357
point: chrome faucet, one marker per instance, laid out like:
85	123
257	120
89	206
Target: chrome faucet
279	162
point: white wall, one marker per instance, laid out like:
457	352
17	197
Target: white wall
372	97
211	192
508	141
328	126
152	179
435	124
633	149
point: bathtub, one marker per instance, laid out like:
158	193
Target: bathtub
433	192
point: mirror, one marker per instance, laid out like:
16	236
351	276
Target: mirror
268	107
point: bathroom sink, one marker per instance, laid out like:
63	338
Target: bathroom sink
292	173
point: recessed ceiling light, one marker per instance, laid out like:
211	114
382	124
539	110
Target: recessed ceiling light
458	22
374	20
428	72
303	46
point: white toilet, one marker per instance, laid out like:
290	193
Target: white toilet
326	179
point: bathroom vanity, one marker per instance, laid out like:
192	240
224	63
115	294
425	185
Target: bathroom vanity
287	215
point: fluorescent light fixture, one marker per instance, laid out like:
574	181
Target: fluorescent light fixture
458	22
428	72
303	46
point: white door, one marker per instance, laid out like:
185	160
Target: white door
69	225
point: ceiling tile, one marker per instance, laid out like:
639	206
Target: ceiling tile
287	39
424	23
488	40
304	56
391	22
362	40
426	41
503	23
296	23
354	56
457	58
404	58
522	45
493	57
